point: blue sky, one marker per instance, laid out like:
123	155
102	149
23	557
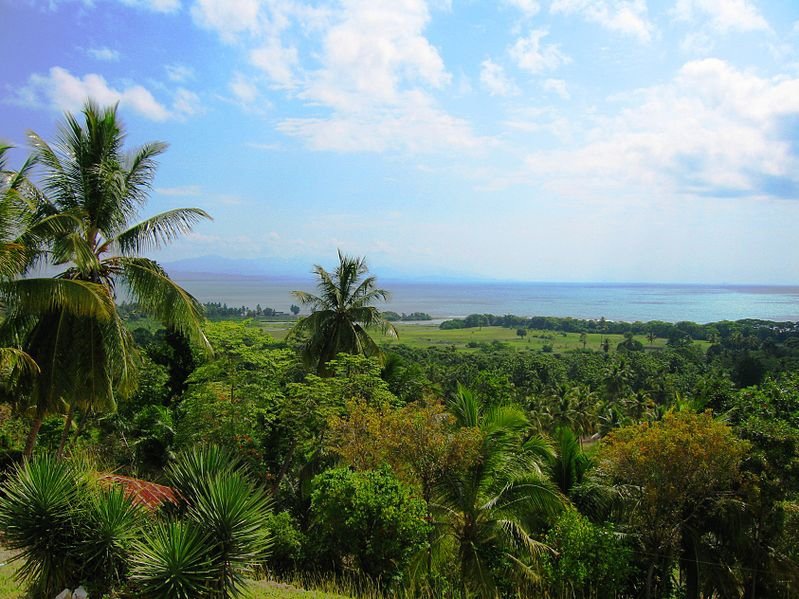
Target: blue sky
546	140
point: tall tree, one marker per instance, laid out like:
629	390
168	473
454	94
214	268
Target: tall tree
95	189
341	314
21	245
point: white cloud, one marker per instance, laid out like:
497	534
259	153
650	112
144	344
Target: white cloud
415	124
697	42
184	191
60	90
229	18
533	56
557	86
162	6
179	72
243	89
713	130
105	54
529	8
723	15
264	147
278	62
629	17
494	79
377	74
186	103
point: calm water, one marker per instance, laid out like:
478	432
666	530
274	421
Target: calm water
699	303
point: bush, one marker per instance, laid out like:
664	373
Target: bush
369	517
287	542
109	528
590	559
39	511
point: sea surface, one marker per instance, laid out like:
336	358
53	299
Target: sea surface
628	302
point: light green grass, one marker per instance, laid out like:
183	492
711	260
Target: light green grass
429	335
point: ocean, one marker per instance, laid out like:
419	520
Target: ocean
628	302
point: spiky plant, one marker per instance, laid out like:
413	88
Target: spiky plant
40	501
231	511
171	562
110	527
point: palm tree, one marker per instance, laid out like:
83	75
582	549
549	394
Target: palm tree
341	314
95	189
21	242
490	509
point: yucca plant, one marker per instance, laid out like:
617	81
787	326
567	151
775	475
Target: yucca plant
194	467
234	515
220	501
111	525
172	562
40	506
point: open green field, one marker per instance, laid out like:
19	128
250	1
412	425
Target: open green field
427	335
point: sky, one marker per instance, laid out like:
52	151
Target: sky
535	140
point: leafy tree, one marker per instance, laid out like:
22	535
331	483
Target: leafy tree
342	313
672	470
768	418
96	189
589	560
297	432
295	309
370	517
419	441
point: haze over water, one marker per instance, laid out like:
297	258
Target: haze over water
614	301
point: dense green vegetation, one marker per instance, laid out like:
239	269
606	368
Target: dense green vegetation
495	457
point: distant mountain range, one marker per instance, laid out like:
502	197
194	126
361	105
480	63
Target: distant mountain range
279	268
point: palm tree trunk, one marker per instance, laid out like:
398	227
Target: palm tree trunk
34	432
65	432
649	576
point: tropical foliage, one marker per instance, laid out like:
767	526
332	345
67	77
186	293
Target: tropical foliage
505	469
93	189
342	313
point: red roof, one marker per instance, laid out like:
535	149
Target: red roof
142	492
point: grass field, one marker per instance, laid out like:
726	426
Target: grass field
261	589
428	335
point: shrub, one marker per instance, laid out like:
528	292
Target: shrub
110	526
590	560
369	517
228	510
287	542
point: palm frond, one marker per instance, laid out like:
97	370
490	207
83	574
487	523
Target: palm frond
41	296
158	230
161	297
14	359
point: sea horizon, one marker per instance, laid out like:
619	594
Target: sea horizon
456	298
